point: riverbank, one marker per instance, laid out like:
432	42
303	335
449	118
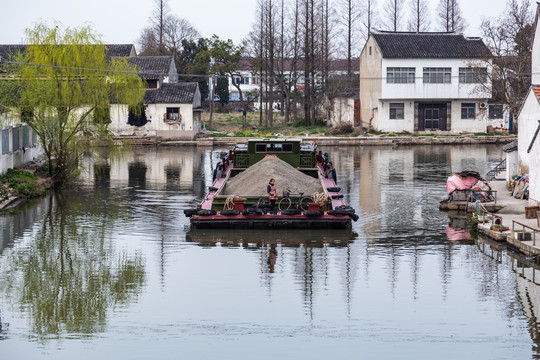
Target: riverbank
374	140
20	184
512	217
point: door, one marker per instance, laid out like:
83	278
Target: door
432	117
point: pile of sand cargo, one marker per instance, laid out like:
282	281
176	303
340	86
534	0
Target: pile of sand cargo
253	180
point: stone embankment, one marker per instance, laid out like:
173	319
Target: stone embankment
513	217
342	141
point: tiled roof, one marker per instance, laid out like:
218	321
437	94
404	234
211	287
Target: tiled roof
536	90
152	67
113	50
8	50
119	50
172	93
405	45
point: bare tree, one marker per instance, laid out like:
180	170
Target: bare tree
349	17
160	13
369	17
450	17
509	38
393	11
165	32
176	31
419	21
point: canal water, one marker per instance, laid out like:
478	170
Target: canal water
110	269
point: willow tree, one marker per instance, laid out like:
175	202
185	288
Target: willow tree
63	84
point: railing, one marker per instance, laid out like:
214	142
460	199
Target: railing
523	227
496	170
487	195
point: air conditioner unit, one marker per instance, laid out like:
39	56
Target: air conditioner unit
483	105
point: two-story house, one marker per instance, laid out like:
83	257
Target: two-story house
424	82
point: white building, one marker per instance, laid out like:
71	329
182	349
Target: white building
424	82
529	125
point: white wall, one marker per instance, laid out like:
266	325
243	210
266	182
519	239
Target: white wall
529	163
384	122
342	111
419	90
18	157
511	165
156	126
459	125
456	124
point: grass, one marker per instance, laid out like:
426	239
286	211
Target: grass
23	184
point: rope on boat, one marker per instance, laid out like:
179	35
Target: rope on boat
320	198
229	202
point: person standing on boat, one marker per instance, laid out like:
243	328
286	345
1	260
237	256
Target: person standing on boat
272	194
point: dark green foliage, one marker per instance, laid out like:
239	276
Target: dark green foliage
187	62
222	90
102	115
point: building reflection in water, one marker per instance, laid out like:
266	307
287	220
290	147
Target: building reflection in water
399	249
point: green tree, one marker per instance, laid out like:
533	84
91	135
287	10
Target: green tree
226	61
222	90
186	64
62	85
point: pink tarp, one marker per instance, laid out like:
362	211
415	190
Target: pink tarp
456	182
457	234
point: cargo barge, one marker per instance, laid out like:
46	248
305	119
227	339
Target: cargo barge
237	197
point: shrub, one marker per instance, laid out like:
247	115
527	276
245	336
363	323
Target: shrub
343	128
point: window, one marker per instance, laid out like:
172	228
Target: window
495	111
437	75
468	110
395	75
152	84
472	75
370	50
246	81
173	114
397	111
273	147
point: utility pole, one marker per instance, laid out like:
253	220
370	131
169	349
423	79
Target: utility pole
212	100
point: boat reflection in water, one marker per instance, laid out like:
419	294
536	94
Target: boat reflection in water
258	238
457	229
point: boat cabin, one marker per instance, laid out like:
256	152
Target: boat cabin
291	151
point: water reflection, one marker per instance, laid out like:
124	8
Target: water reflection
123	263
69	274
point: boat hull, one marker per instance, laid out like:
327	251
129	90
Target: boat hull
270	221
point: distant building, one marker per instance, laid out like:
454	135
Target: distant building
424	82
172	109
249	78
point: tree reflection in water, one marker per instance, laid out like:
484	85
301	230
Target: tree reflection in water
70	275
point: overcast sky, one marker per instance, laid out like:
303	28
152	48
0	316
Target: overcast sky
121	21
